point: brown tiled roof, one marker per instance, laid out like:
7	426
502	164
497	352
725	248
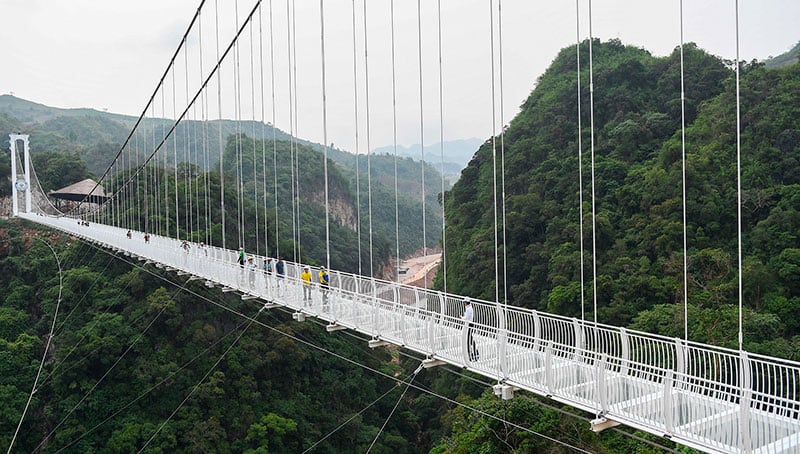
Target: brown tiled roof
80	190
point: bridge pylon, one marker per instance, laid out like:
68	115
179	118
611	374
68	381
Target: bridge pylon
20	183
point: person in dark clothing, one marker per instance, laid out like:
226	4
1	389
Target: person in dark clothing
468	317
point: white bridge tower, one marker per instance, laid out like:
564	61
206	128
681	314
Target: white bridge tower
20	183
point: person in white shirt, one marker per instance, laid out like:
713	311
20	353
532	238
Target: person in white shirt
251	271
468	317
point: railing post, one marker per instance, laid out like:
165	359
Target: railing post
548	367
374	304
402	310
502	338
600	383
577	354
441	317
537	331
680	363
626	351
579	341
667	402
745	389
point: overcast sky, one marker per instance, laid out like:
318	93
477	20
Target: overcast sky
109	54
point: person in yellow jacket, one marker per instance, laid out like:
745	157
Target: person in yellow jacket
306	277
324	280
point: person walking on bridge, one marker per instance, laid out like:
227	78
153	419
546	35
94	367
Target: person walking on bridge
324	280
268	272
241	258
280	270
306	278
468	317
251	271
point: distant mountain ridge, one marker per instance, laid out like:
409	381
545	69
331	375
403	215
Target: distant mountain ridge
787	58
457	154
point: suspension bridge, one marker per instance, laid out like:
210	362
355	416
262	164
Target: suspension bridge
707	397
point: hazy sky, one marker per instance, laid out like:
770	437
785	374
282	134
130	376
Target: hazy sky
109	54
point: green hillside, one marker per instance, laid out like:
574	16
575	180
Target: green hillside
638	188
787	58
97	136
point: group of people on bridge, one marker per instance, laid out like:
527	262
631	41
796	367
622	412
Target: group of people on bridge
276	268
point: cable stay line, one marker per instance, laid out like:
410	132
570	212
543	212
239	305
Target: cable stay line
399	399
263	132
101	379
47	345
349	360
355	415
274	133
441	144
683	191
197	385
84	336
256	224
394	145
356	145
422	146
153	387
367	137
218	71
325	136
83	297
596	343
580	155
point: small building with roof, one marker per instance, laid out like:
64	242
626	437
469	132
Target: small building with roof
83	191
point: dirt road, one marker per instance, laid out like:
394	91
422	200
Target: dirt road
417	267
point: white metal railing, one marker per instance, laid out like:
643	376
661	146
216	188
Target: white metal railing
707	397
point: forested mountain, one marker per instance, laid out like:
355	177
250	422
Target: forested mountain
787	58
59	135
639	240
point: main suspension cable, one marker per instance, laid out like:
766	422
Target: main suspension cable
142	116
